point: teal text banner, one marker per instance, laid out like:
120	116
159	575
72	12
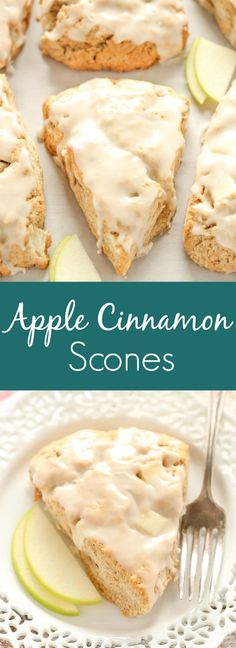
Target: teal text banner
118	336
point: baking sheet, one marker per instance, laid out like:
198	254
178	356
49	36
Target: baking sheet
34	78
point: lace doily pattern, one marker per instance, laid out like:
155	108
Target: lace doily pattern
24	419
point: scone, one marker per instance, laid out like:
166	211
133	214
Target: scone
23	242
14	20
120	143
119	35
210	225
224	12
119	496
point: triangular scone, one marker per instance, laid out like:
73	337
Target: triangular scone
14	20
119	35
224	12
119	496
120	143
210	225
23	242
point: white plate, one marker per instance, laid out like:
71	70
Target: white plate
34	78
31	419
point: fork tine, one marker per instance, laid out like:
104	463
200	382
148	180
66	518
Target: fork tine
193	564
183	562
217	563
205	564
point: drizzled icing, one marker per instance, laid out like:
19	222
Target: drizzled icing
122	488
161	22
16	179
11	12
216	172
124	137
225	16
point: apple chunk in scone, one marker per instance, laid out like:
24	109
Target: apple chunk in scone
118	495
120	143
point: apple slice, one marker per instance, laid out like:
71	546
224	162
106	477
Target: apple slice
193	84
27	579
71	262
52	562
55	255
214	67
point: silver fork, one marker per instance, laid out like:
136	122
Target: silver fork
202	528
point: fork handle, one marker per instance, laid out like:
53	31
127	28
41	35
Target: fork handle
216	399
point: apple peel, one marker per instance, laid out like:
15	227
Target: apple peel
193	84
52	562
70	262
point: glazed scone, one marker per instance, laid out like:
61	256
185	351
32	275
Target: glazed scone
119	35
120	143
23	242
14	20
119	496
224	12
210	225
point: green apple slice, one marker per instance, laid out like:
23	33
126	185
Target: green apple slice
29	582
55	255
72	262
192	81
52	562
214	67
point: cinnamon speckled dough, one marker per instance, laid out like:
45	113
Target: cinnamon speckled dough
210	224
124	585
126	188
224	12
23	241
14	20
83	36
